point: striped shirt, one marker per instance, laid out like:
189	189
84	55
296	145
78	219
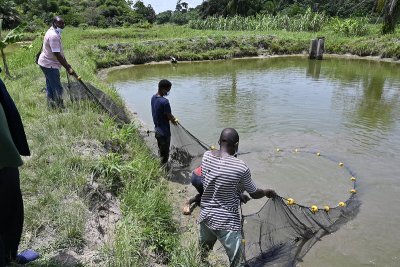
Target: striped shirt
224	179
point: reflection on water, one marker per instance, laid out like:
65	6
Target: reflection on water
233	106
346	109
314	68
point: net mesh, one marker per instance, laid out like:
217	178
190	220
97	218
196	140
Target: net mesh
279	234
79	90
186	150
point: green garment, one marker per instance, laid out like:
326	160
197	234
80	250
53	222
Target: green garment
9	155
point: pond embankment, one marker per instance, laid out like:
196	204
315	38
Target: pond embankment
237	46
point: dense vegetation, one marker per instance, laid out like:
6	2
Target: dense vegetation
339	8
111	13
99	13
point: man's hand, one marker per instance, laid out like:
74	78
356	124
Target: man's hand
175	121
70	71
270	193
244	198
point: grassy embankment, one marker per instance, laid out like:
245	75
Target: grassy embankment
70	150
77	157
186	44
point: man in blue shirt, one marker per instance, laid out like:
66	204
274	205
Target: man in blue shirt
161	112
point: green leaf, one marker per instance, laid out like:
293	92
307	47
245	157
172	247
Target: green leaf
15	35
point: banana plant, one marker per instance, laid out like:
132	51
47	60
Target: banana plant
11	37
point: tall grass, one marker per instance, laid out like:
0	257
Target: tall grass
309	21
350	26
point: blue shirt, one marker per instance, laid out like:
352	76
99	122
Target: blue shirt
159	109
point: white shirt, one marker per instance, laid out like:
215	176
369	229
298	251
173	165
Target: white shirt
51	44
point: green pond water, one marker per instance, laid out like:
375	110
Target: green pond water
346	109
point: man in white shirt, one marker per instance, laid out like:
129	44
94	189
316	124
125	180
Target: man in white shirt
50	61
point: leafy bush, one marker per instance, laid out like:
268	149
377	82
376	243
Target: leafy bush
350	26
73	19
84	26
36	25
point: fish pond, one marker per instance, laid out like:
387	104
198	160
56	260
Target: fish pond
298	120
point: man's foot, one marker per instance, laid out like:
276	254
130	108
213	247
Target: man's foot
51	104
186	210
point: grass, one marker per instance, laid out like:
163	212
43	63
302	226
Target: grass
159	43
71	150
69	153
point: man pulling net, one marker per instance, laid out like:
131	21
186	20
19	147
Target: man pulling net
225	178
279	234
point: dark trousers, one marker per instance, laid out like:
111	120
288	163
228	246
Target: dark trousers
197	183
11	214
163	147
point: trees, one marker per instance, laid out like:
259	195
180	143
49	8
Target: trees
9	14
181	6
164	17
106	13
342	8
181	15
143	12
100	13
392	14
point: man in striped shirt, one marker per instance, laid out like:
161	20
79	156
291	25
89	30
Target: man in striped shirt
225	177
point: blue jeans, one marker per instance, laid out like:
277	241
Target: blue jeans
54	88
231	240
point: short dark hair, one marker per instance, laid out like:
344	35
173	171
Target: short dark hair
229	136
56	19
164	84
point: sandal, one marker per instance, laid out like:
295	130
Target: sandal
26	256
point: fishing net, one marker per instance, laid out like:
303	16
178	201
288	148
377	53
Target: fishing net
186	150
282	231
79	90
281	234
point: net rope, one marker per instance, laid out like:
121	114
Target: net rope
282	231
